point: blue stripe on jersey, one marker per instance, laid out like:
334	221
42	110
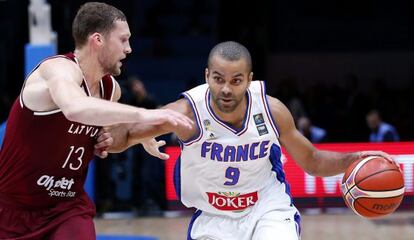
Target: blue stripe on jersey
267	108
198	135
177	177
195	216
298	221
275	156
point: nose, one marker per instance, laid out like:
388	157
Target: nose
128	49
226	90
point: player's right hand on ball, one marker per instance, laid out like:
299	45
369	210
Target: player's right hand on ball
364	154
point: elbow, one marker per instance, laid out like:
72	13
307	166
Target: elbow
312	170
71	114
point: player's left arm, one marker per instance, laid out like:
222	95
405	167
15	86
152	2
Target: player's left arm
313	161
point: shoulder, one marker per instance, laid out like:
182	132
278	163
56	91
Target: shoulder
59	67
60	62
196	94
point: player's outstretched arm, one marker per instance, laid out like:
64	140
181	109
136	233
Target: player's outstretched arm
310	159
63	79
126	135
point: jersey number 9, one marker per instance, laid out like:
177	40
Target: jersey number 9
233	175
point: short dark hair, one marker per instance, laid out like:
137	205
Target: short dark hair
94	17
231	51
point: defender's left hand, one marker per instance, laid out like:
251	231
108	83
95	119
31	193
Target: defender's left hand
104	141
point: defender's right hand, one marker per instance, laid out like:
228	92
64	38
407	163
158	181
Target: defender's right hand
168	117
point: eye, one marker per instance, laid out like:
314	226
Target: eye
217	79
237	81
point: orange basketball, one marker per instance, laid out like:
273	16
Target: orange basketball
373	187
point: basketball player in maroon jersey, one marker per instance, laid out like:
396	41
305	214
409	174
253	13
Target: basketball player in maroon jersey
53	126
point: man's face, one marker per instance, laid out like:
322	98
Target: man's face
228	82
116	48
373	121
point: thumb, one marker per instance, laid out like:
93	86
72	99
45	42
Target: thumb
164	156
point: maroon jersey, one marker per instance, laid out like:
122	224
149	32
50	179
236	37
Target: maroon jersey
44	158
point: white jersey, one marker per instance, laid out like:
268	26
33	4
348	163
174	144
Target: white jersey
224	170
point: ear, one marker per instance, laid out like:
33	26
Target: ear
206	73
97	38
250	79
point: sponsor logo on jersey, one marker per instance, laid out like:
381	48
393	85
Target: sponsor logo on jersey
229	153
207	124
231	201
83	129
258	119
262	129
57	187
260	124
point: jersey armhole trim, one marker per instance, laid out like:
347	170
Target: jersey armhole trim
267	108
40	113
47	112
198	136
113	88
101	86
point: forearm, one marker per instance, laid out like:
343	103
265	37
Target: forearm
93	111
127	135
138	132
332	163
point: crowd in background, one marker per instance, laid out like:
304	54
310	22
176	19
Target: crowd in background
342	110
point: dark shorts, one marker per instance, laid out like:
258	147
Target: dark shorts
68	220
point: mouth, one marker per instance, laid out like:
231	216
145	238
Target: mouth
226	101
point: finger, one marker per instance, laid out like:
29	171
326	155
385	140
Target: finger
389	157
103	154
103	136
102	131
164	156
385	155
104	144
159	154
161	143
172	121
100	153
183	122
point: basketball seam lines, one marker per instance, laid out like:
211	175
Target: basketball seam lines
356	183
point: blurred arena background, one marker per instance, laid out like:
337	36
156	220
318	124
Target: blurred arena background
330	62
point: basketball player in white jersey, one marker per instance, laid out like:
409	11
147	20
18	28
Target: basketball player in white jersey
230	168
